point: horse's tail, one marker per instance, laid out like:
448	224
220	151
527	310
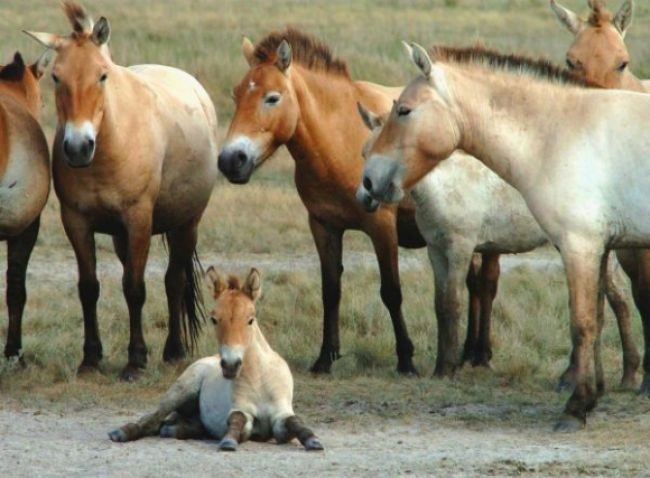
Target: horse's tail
193	308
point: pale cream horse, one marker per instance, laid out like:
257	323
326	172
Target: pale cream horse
244	392
586	185
135	154
599	55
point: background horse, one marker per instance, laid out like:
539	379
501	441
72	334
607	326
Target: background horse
494	110
599	54
246	391
491	217
134	155
24	180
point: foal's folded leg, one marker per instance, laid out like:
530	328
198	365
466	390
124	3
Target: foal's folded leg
295	428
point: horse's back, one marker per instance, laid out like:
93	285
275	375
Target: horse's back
25	176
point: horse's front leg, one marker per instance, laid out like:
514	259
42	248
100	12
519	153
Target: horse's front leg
473	284
239	429
489	277
19	249
292	427
138	238
82	238
384	240
584	264
329	243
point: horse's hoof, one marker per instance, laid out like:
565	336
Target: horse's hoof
174	352
228	444
568	424
313	444
407	370
321	367
645	386
167	431
444	371
131	373
118	436
564	385
628	383
86	369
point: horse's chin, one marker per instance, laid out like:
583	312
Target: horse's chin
230	375
77	164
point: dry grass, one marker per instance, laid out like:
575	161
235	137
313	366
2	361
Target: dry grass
266	217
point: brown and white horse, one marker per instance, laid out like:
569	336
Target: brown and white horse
24	180
244	392
599	54
586	187
135	154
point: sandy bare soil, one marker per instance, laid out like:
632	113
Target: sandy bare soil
40	443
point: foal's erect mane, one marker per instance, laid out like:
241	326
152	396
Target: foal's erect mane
539	68
599	16
306	50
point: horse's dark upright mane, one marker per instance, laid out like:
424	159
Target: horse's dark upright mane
13	71
306	50
537	67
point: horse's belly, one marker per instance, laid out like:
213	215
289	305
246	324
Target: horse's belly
215	403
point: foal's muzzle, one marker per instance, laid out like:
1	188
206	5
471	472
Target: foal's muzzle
236	165
230	369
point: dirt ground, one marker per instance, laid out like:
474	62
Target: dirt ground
75	444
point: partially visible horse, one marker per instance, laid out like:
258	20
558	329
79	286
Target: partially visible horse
135	154
244	392
490	217
24	180
586	187
599	54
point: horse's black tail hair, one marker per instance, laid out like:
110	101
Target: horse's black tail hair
193	309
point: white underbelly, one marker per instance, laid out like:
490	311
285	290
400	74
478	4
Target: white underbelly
215	403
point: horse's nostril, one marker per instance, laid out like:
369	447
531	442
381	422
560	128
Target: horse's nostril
238	363
241	158
91	144
367	183
223	363
66	147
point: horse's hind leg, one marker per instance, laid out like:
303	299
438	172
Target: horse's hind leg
19	249
329	244
82	239
384	240
474	290
183	428
618	303
489	279
293	427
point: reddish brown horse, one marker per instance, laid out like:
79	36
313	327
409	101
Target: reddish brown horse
24	180
134	155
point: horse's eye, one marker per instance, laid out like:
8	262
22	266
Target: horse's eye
403	111
570	64
272	99
103	78
55	79
213	320
251	320
622	66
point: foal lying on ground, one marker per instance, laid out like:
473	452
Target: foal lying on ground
246	391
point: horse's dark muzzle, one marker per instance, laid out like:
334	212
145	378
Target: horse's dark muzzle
236	166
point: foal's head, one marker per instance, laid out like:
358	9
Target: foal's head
234	317
22	81
598	53
80	73
266	111
420	130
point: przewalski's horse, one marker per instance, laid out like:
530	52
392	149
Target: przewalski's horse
586	187
491	217
599	54
24	180
246	391
134	155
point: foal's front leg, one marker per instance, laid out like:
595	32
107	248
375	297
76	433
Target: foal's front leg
239	428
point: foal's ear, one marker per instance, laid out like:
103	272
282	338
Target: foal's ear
284	55
101	32
623	18
48	40
370	119
216	283
253	286
567	17
38	68
248	50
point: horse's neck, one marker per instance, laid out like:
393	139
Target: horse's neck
505	124
258	356
633	83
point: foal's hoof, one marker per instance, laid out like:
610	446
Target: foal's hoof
168	431
131	373
228	444
313	444
118	436
568	424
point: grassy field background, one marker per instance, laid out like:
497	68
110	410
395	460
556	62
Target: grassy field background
265	221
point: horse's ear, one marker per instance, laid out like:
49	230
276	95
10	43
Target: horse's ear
248	50
38	68
48	40
421	59
370	119
567	17
284	54
253	286
101	32
215	282
431	70
623	18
